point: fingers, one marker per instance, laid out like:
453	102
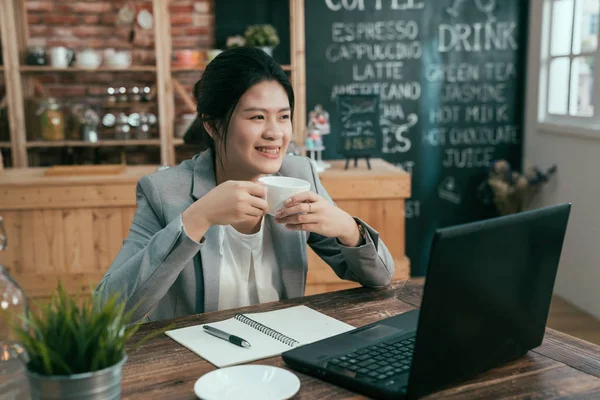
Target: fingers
299	219
297	208
302	198
258	203
256	189
302	227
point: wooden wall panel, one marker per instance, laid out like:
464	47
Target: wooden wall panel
79	240
107	229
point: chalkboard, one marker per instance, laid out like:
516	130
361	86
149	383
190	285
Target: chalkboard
359	125
450	78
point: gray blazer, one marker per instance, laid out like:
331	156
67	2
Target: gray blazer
167	274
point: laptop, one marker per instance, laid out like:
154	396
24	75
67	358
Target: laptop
485	302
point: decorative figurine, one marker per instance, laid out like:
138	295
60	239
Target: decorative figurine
318	125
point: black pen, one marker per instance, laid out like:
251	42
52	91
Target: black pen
238	341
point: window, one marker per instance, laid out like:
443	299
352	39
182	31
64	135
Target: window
569	57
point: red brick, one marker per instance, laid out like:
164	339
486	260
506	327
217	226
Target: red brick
39	30
181	19
118	44
63	9
177	31
197	30
93	7
62	31
69	42
181	8
202	20
61	19
93	31
39	5
143	6
95	43
91	19
108	19
33	19
202	7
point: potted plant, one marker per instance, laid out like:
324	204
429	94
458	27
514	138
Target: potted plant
510	191
75	347
263	36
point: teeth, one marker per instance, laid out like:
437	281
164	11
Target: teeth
268	151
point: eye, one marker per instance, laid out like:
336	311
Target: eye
257	117
285	116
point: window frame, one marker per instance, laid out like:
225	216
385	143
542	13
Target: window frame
540	37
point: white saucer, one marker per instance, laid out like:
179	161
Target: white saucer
247	382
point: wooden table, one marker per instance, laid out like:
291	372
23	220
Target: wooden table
562	366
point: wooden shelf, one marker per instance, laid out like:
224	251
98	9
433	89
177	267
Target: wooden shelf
43	68
140	104
101	143
187	69
23	81
285	67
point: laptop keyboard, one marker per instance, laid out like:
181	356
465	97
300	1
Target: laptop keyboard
377	362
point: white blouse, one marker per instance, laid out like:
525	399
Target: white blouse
248	273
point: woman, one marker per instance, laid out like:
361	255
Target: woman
201	239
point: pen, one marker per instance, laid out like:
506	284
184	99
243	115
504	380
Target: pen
238	341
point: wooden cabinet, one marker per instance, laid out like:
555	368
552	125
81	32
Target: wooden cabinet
22	83
71	228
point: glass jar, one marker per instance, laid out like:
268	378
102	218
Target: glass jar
52	120
13	307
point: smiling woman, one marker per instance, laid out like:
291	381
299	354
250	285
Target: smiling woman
203	239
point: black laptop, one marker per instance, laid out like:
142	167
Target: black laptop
485	302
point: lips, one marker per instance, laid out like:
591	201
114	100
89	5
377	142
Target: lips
269	150
271	153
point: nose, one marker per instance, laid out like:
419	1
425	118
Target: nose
272	131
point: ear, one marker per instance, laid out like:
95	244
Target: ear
210	129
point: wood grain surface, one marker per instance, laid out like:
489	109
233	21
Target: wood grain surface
563	367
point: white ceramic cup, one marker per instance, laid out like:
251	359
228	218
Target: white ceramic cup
281	188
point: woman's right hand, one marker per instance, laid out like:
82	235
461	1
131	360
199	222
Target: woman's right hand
228	203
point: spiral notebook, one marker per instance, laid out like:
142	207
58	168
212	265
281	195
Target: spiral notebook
269	333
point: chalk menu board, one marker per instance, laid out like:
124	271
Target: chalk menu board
450	78
359	125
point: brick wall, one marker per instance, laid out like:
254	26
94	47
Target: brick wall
81	24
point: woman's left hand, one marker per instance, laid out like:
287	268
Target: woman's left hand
308	211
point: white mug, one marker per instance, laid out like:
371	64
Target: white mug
281	188
61	57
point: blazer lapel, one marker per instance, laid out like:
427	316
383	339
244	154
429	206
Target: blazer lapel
210	253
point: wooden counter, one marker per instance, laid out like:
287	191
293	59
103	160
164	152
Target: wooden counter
71	228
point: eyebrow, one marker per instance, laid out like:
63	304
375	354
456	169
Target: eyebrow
264	109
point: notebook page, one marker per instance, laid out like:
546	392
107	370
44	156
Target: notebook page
301	323
220	352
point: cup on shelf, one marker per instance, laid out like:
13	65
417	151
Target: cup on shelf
117	59
188	58
89	59
61	57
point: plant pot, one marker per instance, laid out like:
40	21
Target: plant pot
104	384
267	49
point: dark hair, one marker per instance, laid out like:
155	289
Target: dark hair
224	81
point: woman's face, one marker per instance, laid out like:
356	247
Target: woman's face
260	131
